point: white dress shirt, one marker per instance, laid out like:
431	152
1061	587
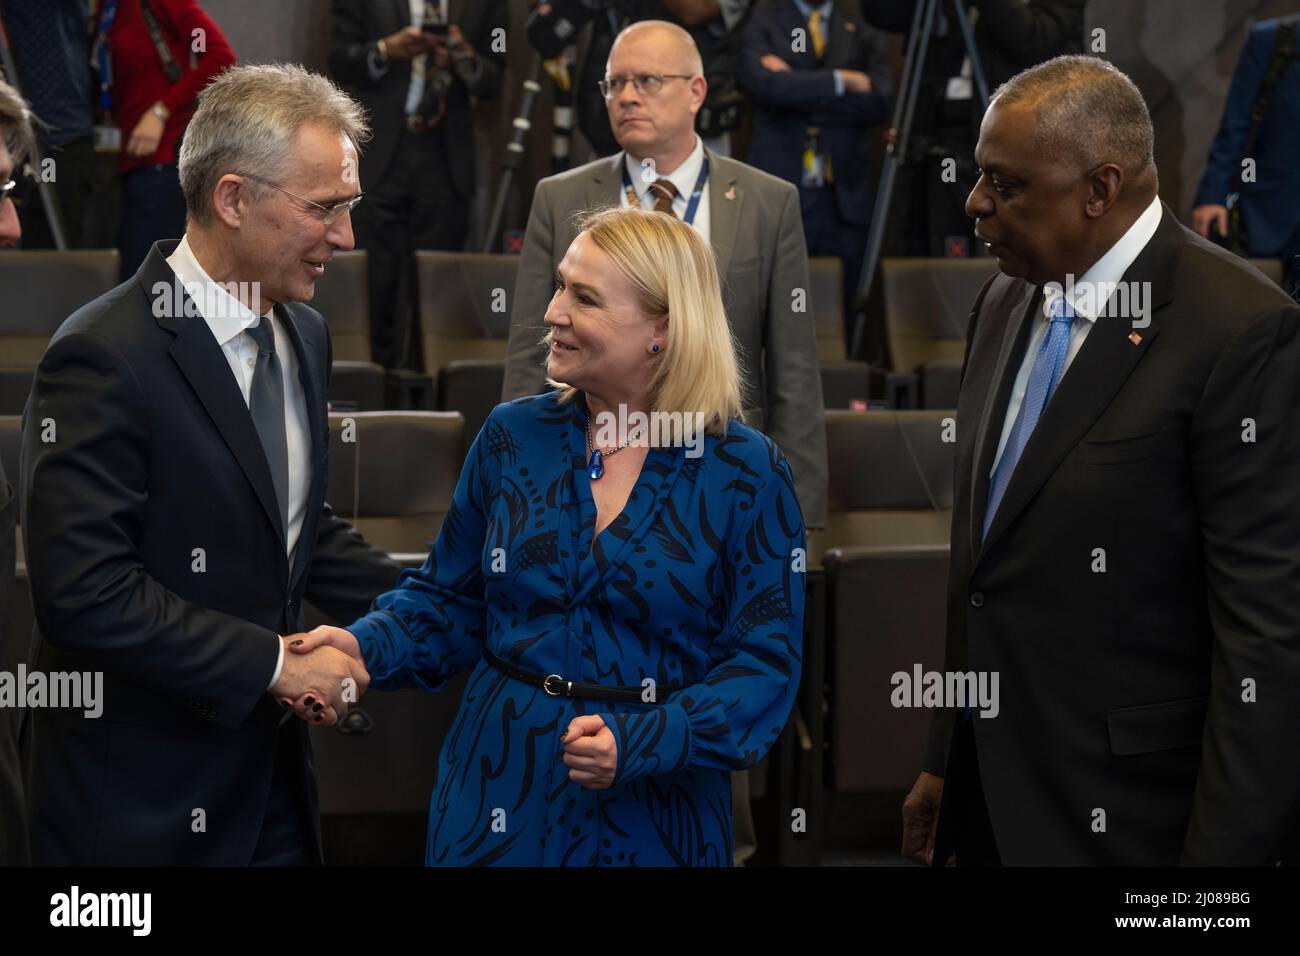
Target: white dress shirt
683	177
1109	268
228	319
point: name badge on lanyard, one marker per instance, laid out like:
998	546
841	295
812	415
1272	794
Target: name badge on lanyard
692	207
107	136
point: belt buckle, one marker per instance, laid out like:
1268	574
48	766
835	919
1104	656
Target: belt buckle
546	685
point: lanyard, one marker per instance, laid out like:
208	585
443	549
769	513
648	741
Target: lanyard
692	207
106	16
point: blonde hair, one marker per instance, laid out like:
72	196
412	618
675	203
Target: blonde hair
675	277
246	121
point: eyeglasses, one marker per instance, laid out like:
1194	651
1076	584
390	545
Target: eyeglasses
325	214
647	84
7	190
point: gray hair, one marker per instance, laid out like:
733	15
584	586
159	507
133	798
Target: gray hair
246	121
15	124
1086	107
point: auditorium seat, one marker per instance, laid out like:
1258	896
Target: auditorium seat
473	388
394	483
342	296
885	614
393	474
843	381
885	555
465	301
890	479
20	624
356	383
927	304
42	288
1270	267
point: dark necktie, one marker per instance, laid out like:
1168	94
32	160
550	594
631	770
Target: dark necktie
266	403
664	192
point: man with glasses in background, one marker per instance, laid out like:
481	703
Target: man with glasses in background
174	451
653	88
16	139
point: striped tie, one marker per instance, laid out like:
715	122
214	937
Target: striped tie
817	31
664	192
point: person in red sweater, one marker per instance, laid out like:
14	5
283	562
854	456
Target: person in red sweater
151	109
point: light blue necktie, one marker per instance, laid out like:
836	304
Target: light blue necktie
1043	378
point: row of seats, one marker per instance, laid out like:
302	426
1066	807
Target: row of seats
882	561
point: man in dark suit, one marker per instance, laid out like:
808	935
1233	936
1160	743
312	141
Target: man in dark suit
815	101
1268	191
174	467
16	141
1126	528
420	89
751	220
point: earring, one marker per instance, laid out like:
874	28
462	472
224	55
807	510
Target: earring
655	347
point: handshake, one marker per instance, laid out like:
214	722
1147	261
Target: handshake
322	674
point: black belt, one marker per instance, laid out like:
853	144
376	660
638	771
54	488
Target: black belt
557	686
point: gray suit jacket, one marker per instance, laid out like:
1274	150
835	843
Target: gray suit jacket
756	231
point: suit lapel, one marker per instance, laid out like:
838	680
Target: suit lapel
1104	362
204	366
725	201
839	38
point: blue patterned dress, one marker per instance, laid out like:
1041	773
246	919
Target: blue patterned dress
696	585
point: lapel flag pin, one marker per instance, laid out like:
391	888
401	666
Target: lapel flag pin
1135	339
731	193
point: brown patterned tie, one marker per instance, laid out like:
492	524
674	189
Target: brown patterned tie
664	192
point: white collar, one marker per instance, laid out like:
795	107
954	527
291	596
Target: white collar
683	177
1110	268
225	314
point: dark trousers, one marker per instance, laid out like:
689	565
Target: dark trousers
964	824
412	206
286	838
153	208
827	233
88	195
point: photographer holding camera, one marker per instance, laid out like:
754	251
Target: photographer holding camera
418	67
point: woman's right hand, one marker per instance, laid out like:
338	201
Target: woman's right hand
323	636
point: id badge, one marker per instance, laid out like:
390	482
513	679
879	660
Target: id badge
814	169
108	139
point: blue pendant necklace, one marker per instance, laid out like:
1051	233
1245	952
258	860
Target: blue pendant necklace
596	463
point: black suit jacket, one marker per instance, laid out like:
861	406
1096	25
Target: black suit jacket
358	24
154	455
787	103
1121	690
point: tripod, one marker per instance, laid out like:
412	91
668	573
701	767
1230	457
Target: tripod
896	153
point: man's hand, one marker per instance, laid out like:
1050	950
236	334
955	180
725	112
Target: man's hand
320	669
921	818
770	61
855	81
591	752
1205	216
406	43
457	45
